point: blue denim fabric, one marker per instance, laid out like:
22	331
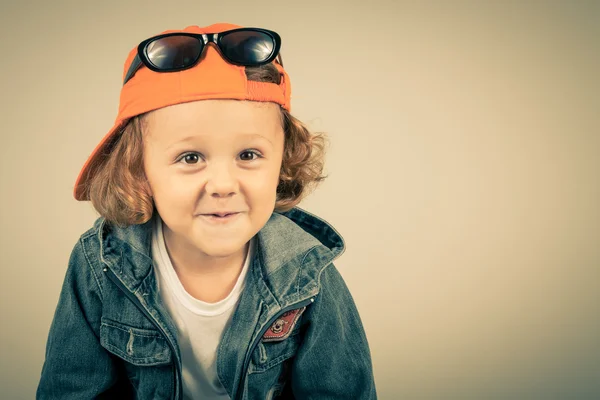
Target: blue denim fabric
111	337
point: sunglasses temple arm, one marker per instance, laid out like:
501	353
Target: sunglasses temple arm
135	65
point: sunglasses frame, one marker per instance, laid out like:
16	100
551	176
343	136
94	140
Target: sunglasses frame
204	38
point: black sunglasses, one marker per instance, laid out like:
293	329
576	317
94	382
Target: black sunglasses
181	50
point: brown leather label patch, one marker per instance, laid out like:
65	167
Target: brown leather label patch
282	327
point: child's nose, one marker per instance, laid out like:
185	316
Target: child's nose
221	181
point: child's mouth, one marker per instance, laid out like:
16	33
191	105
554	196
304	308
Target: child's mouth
217	217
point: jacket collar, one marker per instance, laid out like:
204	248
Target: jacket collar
292	249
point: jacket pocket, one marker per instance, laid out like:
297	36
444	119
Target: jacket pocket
142	347
269	354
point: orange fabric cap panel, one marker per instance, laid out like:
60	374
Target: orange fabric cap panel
211	78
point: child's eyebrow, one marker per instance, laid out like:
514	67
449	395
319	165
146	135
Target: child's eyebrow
256	135
191	138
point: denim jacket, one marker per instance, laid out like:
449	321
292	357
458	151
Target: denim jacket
111	336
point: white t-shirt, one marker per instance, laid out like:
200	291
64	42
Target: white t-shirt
200	325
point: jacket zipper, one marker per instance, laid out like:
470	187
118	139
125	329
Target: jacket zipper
240	392
131	296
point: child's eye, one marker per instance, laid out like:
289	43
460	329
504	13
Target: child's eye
189	158
256	153
194	158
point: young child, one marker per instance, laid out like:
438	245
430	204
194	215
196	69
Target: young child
202	279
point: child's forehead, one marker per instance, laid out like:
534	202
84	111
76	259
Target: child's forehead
209	112
175	141
213	120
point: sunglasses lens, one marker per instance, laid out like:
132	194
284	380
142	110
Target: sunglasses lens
173	52
247	47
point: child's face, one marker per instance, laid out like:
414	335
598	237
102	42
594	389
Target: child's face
198	158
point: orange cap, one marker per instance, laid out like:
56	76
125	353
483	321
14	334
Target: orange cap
211	78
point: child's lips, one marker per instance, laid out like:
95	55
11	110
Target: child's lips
214	218
220	213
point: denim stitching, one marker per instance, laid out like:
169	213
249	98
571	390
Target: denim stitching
87	258
145	360
300	270
137	331
274	362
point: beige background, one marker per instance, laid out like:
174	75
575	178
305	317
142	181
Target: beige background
464	175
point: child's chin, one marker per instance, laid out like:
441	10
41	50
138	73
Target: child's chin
222	247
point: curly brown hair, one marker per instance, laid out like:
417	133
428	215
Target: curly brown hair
120	192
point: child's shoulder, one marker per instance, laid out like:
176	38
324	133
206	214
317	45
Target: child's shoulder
104	231
89	241
308	226
295	247
94	229
97	242
103	247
